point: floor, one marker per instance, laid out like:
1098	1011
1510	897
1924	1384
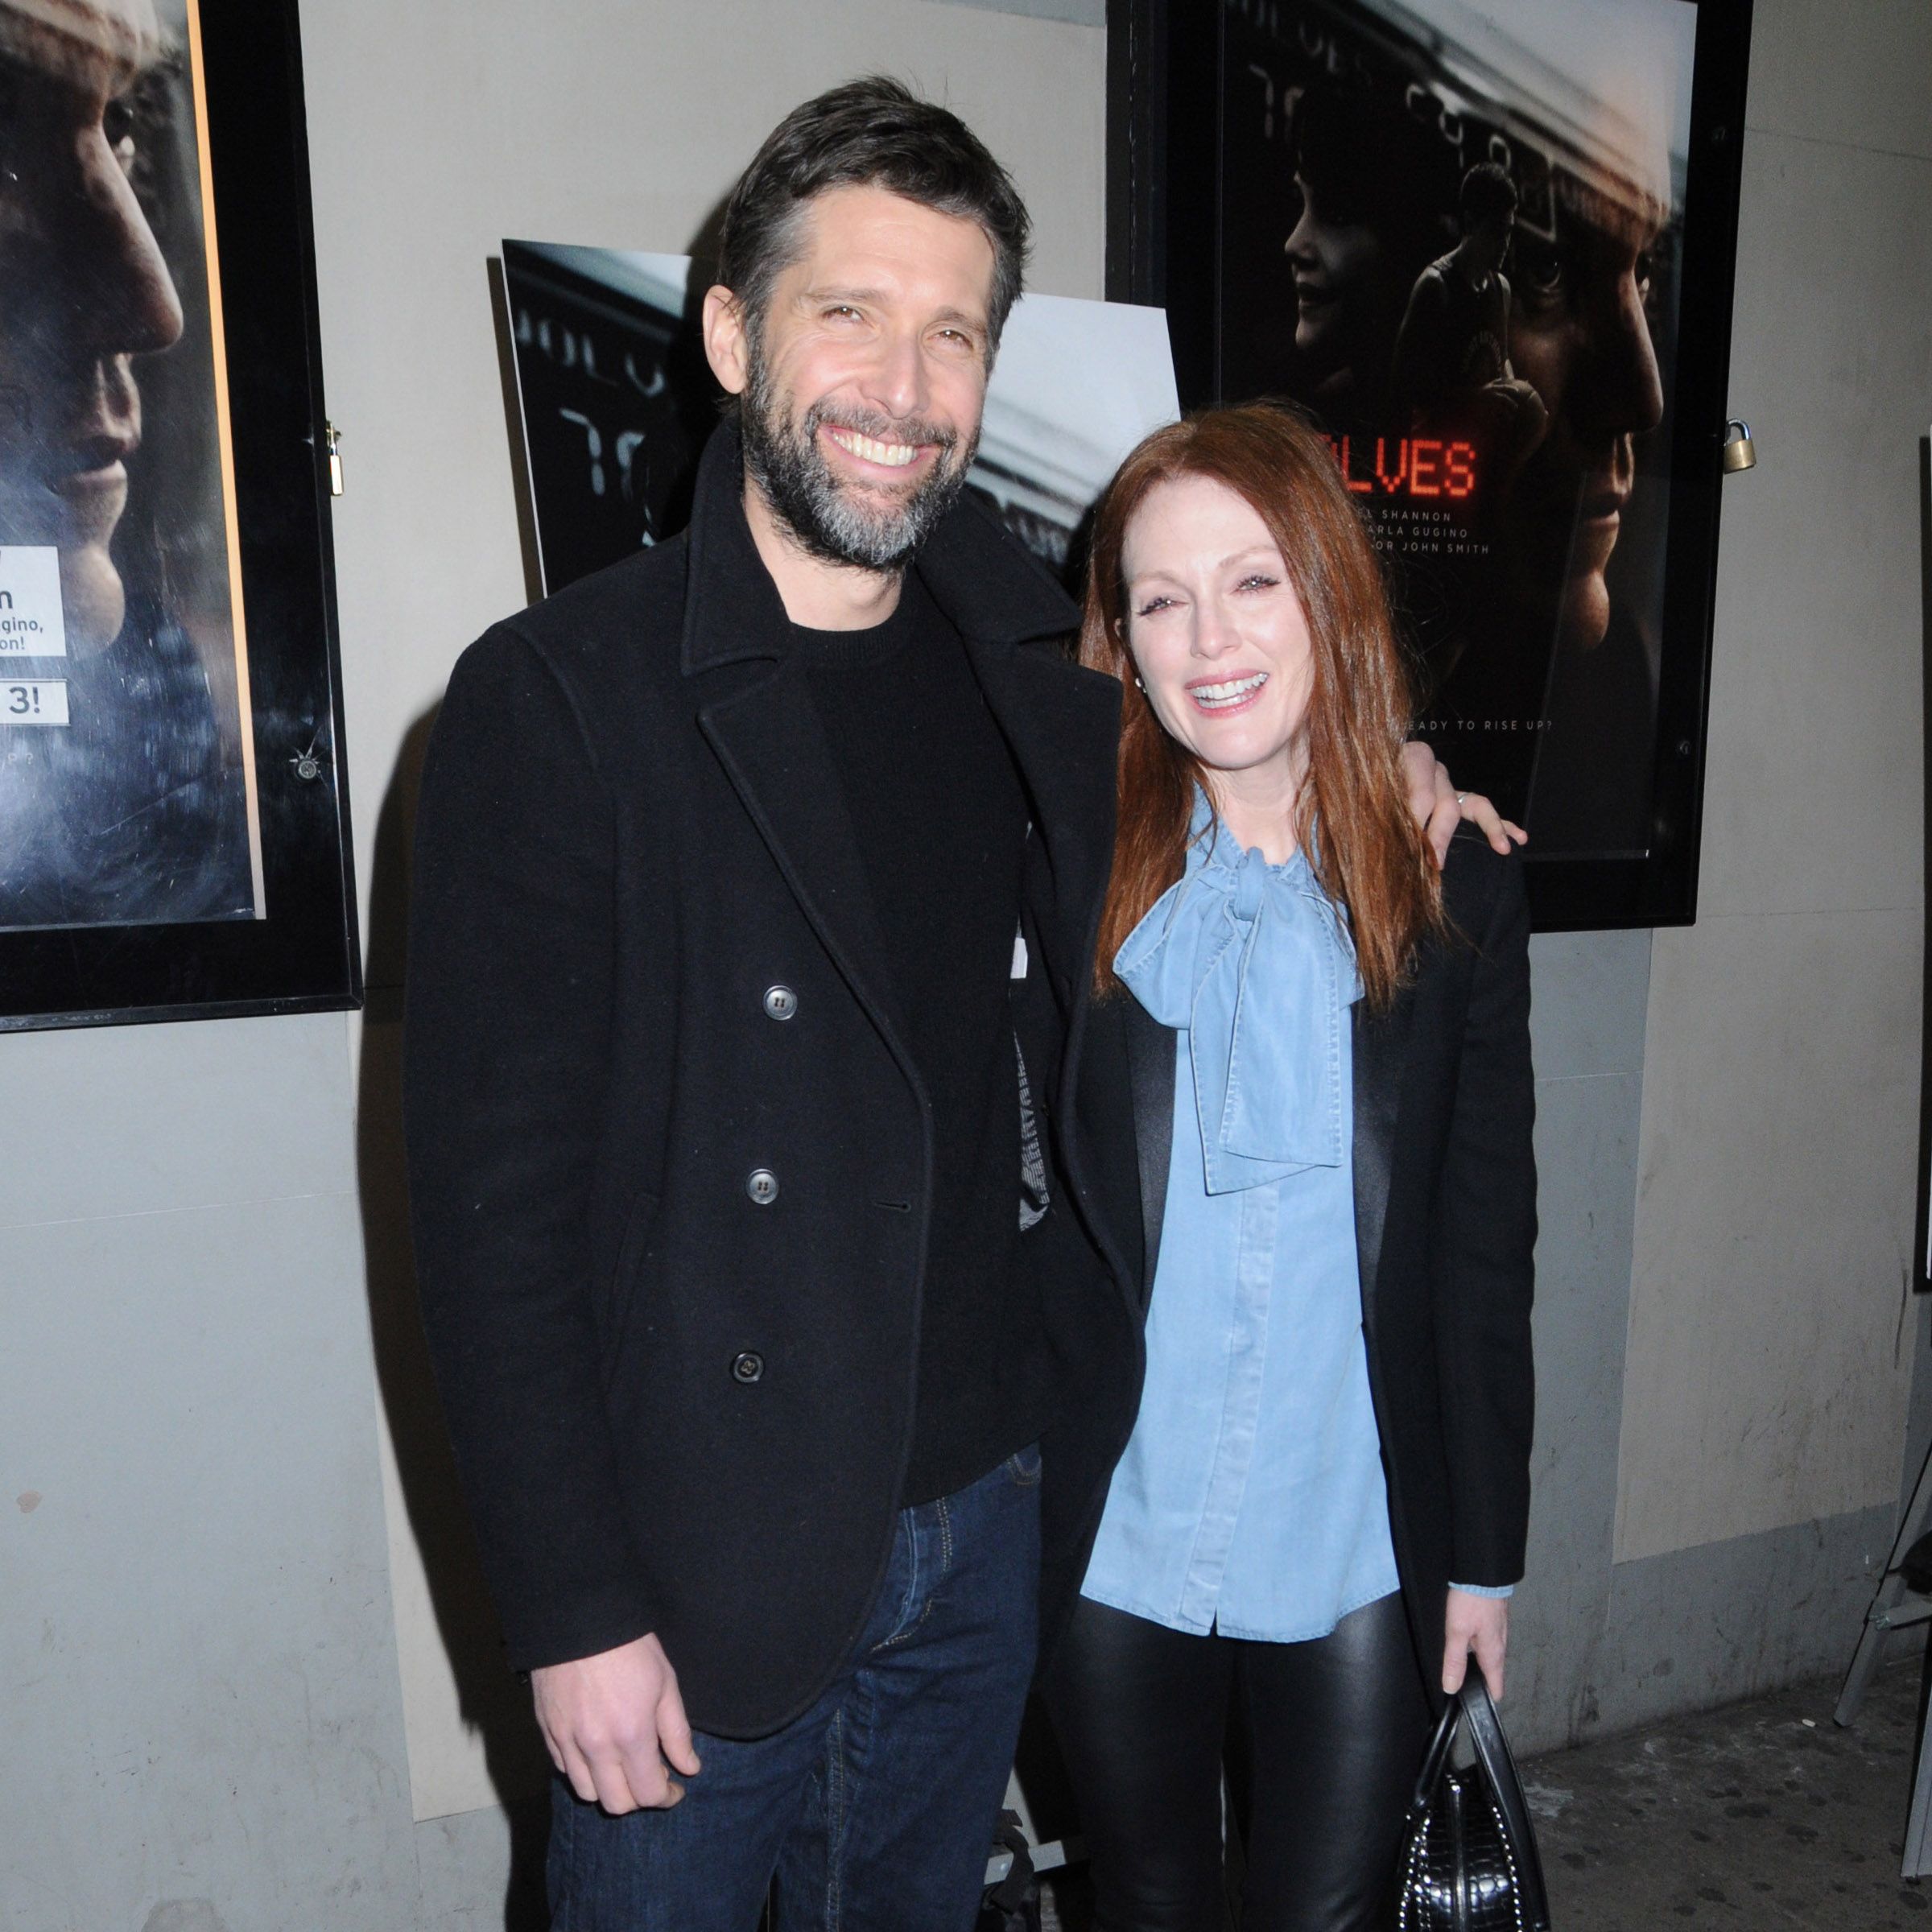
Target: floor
1763	1814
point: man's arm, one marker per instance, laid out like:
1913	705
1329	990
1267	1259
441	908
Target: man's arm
505	1056
1439	808
505	1042
1418	375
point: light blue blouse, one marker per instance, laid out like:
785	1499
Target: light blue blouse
1251	1498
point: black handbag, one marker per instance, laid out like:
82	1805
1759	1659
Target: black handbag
1469	1861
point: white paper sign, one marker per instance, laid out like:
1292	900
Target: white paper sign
32	623
34	701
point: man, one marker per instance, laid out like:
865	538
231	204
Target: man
135	810
769	1234
1452	354
1367	176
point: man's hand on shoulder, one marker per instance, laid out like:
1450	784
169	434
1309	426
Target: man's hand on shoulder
1439	808
613	1723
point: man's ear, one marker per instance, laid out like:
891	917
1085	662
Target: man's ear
725	348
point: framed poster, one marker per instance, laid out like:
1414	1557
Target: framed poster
1489	247
173	822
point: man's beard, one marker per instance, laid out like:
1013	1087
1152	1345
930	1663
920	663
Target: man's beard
845	524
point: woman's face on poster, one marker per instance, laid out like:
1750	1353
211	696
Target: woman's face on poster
83	290
1343	281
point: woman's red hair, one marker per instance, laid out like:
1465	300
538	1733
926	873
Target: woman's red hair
1368	854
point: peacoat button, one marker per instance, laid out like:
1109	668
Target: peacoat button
781	1002
761	1184
747	1367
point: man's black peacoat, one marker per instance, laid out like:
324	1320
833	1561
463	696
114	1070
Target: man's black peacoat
670	1161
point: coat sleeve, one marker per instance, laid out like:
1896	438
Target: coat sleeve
1484	1281
506	1031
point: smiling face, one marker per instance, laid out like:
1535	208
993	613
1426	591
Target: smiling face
1218	634
864	380
83	290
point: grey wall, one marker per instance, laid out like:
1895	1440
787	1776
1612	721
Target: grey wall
207	1724
1727	1345
196	1662
1595	1644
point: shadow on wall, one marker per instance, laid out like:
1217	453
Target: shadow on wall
495	1704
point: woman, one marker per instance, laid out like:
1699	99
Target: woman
1359	242
1324	1499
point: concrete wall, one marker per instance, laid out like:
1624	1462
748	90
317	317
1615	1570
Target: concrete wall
208	1349
1725	1537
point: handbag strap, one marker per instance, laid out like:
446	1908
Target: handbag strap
1499	1769
1435	1760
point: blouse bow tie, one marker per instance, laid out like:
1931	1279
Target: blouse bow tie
1255	962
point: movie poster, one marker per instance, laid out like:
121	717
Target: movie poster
1453	231
127	780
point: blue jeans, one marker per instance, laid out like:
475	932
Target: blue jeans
874	1811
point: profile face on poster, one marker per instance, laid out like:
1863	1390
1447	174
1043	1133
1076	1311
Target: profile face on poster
126	783
1464	253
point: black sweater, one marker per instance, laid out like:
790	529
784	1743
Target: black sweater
941	824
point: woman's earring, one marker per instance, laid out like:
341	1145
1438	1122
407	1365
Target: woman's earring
1137	684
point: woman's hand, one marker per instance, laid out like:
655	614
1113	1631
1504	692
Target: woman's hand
1480	1623
1439	808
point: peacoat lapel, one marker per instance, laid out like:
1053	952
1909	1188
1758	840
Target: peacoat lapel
768	738
1061	724
774	749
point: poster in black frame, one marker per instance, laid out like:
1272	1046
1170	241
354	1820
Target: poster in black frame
1560	606
202	99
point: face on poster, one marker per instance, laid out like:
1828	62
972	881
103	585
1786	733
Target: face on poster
1453	231
126	793
617	401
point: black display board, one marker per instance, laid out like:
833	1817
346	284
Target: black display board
617	402
179	847
1535	444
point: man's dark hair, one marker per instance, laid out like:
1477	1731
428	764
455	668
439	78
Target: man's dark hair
1488	195
872	132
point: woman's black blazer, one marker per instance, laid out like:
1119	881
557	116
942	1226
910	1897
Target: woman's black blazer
1445	1216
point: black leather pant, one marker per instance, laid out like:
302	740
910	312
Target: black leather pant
1322	1742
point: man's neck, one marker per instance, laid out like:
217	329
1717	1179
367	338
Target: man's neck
1475	270
820	595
